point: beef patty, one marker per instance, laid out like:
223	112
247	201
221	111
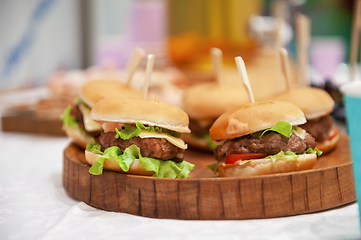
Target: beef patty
197	128
270	143
319	128
158	148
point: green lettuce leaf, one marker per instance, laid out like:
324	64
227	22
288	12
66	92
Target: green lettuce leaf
213	167
282	127
290	156
127	132
130	131
210	143
93	147
77	100
67	118
164	169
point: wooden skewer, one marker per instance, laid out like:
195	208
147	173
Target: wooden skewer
217	63
133	63
355	38
286	67
148	72
244	77
303	28
279	24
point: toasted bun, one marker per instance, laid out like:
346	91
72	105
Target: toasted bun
95	90
314	102
254	117
198	143
80	138
329	144
267	166
148	112
210	100
112	165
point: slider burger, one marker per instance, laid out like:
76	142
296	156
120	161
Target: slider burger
317	105
262	138
77	124
204	103
139	137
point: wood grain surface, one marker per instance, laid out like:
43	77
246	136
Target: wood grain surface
205	196
27	122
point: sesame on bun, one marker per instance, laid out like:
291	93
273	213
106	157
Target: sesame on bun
139	137
262	138
316	104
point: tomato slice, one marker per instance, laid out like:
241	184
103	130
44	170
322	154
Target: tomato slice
333	133
232	158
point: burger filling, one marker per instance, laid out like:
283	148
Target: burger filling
283	140
200	130
159	150
79	114
270	143
319	128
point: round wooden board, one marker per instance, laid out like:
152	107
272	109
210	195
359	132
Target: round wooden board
205	196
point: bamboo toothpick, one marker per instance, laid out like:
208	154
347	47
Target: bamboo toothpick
244	77
133	63
303	28
217	63
355	38
148	72
286	67
279	25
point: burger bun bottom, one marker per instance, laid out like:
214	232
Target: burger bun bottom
80	138
112	165
329	144
267	166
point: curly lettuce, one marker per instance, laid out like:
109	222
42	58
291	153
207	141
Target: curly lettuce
161	168
129	131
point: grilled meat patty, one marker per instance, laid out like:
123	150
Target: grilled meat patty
270	143
319	128
158	148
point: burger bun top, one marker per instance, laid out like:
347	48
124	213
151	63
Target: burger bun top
254	117
149	112
210	100
314	102
95	90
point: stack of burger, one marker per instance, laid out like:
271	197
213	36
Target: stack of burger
262	138
77	124
139	137
204	103
317	105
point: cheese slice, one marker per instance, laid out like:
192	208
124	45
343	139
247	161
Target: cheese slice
300	132
173	140
89	124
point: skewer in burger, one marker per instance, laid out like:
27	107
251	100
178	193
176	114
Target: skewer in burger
262	138
139	137
77	124
317	105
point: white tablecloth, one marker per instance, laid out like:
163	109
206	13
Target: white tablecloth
34	205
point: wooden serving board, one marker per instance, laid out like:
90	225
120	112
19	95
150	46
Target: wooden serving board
26	122
205	196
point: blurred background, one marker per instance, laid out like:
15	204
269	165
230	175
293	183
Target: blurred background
40	37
